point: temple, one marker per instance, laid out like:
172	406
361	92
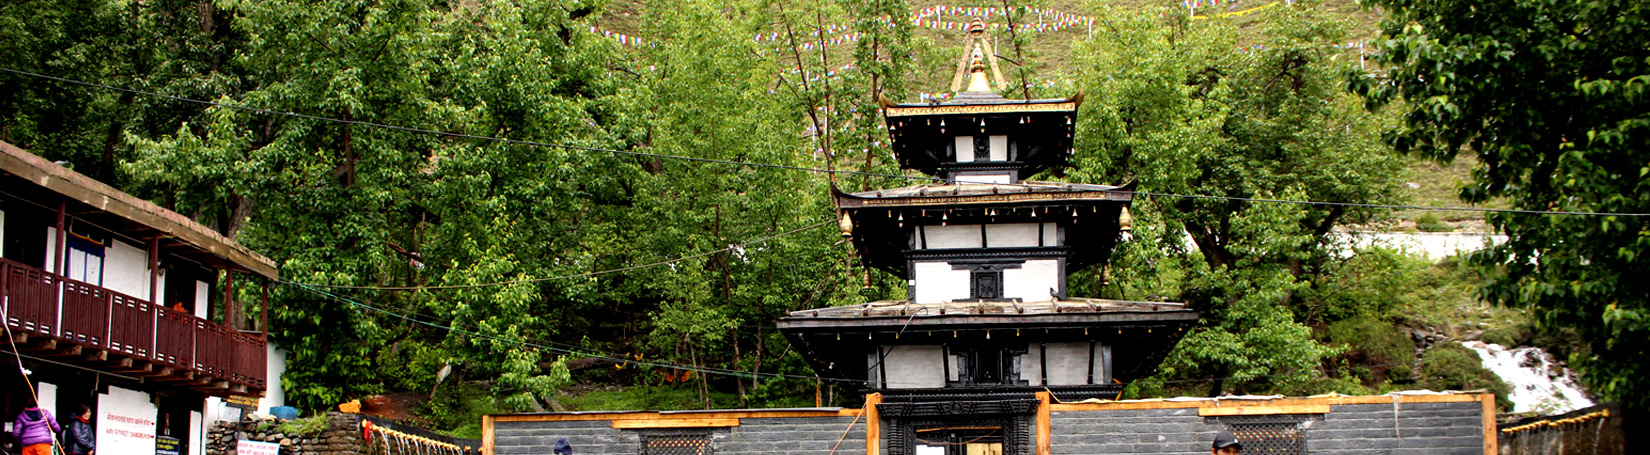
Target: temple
987	321
988	354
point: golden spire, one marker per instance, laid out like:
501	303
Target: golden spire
976	73
977	56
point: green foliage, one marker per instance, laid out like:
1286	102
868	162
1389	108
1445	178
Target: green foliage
1172	105
458	408
1366	285
1345	385
1429	222
1509	336
1552	97
306	426
648	397
1376	350
1450	366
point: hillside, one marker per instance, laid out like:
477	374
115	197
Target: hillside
482	207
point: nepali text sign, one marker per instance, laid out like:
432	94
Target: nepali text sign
166	445
247	447
125	423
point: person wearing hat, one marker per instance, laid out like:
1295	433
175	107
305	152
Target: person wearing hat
1226	443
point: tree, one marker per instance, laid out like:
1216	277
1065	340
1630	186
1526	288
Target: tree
1551	96
1190	108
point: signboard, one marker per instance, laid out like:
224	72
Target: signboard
248	447
237	401
166	445
125	423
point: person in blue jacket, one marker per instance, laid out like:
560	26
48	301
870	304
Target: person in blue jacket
78	438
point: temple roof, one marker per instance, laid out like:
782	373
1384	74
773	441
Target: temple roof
835	340
911	312
951	194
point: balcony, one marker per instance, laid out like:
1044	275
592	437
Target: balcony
91	326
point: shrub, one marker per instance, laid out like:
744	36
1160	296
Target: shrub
1376	351
1509	336
308	426
1319	386
1450	366
1430	223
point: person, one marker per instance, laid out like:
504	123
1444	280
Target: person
1226	443
34	429
563	447
78	438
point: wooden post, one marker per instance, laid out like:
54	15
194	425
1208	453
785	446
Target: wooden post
1043	432
62	236
487	439
873	425
231	311
1492	442
154	269
263	309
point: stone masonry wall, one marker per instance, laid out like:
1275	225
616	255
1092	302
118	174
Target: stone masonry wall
808	435
1362	429
341	437
1368	428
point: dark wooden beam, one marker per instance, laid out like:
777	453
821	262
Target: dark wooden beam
176	375
42	344
66	350
134	367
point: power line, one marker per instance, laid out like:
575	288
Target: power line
576	275
783	166
585	354
452	134
1391	206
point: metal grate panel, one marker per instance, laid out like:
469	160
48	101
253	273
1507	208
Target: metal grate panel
684	442
1270	435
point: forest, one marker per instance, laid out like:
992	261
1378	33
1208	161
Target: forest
528	205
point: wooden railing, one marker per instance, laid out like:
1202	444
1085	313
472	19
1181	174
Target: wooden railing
38	303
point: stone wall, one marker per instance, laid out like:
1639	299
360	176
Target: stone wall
842	435
1415	424
342	436
1357	429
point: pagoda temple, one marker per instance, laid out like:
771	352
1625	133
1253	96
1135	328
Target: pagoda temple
987	354
987	321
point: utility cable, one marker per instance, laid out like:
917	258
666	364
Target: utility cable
34	395
576	275
783	166
585	354
451	134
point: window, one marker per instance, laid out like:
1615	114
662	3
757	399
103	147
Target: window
986	366
986	284
680	442
1271	434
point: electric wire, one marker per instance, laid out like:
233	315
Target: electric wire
576	275
573	352
449	133
790	167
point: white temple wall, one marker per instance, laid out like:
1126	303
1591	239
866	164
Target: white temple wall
936	282
1035	281
912	367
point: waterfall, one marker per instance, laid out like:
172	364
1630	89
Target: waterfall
1539	383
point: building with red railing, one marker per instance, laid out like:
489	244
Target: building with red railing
115	303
